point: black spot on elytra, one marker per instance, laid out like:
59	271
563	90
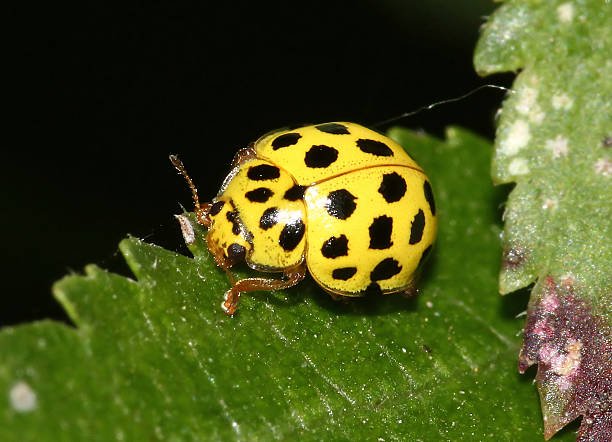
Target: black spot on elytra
429	197
269	218
373	290
417	227
344	273
291	235
236	252
232	217
340	203
263	172
385	269
320	156
392	187
424	255
380	232
335	246
259	195
215	208
285	140
333	128
295	193
374	147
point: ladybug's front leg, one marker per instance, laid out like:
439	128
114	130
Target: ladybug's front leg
290	278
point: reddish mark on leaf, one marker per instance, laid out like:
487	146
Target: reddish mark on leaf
543	330
573	349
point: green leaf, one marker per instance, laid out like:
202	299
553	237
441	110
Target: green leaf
156	359
553	141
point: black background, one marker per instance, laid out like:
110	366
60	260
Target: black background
100	94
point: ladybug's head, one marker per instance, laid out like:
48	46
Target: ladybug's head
226	238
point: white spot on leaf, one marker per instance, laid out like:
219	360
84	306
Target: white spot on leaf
23	398
518	166
526	100
550	303
558	146
527	103
550	204
562	101
536	116
186	229
565	12
603	166
516	138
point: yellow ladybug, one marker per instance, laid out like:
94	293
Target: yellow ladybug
338	199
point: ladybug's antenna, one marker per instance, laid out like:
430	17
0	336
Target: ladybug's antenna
200	210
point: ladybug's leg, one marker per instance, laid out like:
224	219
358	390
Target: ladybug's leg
410	291
337	297
290	278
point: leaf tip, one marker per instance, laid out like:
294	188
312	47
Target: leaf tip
60	292
571	346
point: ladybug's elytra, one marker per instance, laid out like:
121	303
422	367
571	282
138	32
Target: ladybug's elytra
345	202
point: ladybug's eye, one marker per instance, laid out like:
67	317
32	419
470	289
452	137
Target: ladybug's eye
216	208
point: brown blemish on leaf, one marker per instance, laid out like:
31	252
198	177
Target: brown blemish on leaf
573	349
513	258
607	141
